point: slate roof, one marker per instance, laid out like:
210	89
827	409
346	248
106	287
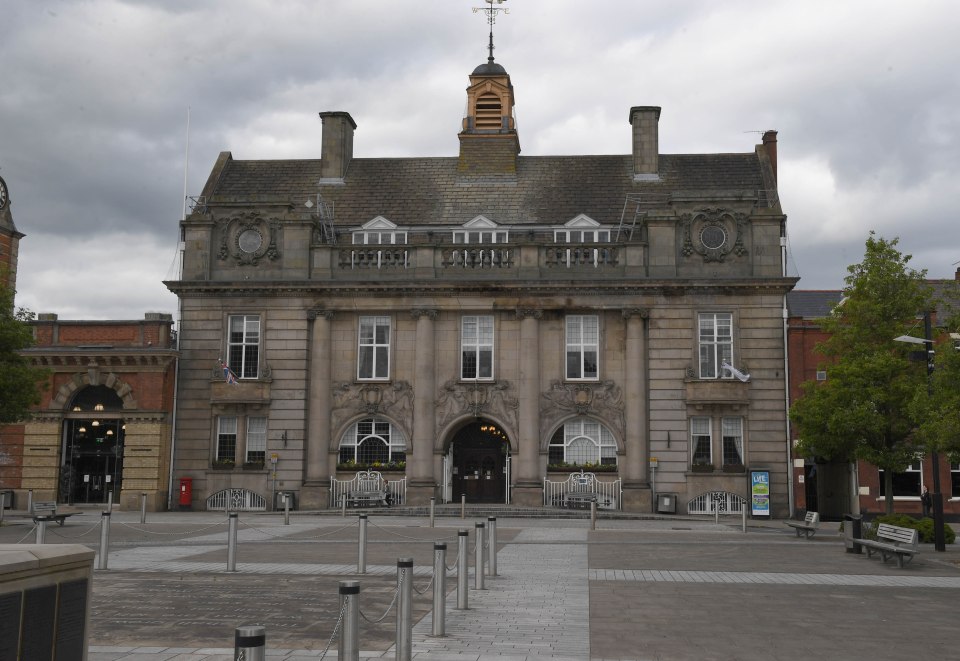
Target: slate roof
812	304
428	191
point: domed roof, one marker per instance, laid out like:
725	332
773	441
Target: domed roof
489	68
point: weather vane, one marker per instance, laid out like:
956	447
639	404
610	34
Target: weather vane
491	13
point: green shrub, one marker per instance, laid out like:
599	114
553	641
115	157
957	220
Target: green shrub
923	526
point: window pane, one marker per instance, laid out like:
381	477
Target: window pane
366	363
382	369
582	451
469	365
226	438
573	365
486	364
256	438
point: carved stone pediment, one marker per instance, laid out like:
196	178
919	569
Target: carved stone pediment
602	400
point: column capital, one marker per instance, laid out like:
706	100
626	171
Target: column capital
315	314
532	313
430	313
642	313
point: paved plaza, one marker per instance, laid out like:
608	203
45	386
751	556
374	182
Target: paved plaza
665	589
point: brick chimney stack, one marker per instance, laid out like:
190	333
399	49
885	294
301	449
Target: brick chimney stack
645	121
770	143
336	147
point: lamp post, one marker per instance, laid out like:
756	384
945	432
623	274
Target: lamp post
939	541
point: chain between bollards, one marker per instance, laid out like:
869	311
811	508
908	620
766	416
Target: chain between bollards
104	540
404	642
232	542
462	578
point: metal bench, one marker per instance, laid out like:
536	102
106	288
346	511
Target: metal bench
47	511
370	489
809	525
893	541
582	490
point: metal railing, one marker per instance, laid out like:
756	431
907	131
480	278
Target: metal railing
712	502
237	500
340	490
581	488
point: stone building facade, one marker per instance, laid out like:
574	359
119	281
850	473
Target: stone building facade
486	320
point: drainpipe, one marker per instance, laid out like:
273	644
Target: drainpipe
786	378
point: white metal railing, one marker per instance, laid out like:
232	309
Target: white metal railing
478	258
583	487
374	258
237	500
712	502
368	481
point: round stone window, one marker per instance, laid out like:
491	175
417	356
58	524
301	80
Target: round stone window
250	240
713	237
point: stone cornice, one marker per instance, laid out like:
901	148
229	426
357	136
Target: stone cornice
642	313
112	359
430	313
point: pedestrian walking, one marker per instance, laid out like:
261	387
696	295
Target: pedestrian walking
926	500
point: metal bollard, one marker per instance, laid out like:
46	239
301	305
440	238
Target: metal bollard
41	531
250	643
463	506
593	515
286	509
362	546
232	542
462	577
104	540
478	569
743	519
433	504
350	626
439	588
404	641
30	501
343	505
110	500
143	507
492	546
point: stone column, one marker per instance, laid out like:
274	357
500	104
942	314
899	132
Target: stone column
528	483
635	467
421	483
315	493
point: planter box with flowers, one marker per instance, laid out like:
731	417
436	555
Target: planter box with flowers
223	464
253	465
576	468
380	467
702	468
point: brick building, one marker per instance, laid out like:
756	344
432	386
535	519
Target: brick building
486	320
835	488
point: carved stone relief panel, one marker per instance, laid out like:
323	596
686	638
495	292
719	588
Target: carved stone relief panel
479	399
713	233
390	399
247	238
602	400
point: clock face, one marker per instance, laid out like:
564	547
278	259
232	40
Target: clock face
3	194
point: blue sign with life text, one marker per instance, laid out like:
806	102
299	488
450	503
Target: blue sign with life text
760	493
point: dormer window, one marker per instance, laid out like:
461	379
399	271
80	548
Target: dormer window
582	229
480	230
377	232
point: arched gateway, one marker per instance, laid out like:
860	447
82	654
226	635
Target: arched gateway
478	459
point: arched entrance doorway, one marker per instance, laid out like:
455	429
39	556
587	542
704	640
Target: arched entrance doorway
92	459
479	452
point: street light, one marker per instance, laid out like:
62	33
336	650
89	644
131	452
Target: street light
939	542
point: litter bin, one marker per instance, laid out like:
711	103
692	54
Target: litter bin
278	500
7	500
852	529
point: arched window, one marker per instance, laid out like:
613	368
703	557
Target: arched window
373	440
581	442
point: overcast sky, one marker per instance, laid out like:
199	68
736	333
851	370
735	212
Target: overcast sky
94	97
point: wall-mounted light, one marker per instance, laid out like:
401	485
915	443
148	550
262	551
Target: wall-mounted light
95	423
109	432
82	430
98	407
76	408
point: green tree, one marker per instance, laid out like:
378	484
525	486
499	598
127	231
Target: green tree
863	409
20	382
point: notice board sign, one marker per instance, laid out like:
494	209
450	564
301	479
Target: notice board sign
760	493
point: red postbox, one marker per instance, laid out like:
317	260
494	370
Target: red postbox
186	492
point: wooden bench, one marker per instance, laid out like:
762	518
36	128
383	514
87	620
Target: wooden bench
47	511
892	541
809	525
